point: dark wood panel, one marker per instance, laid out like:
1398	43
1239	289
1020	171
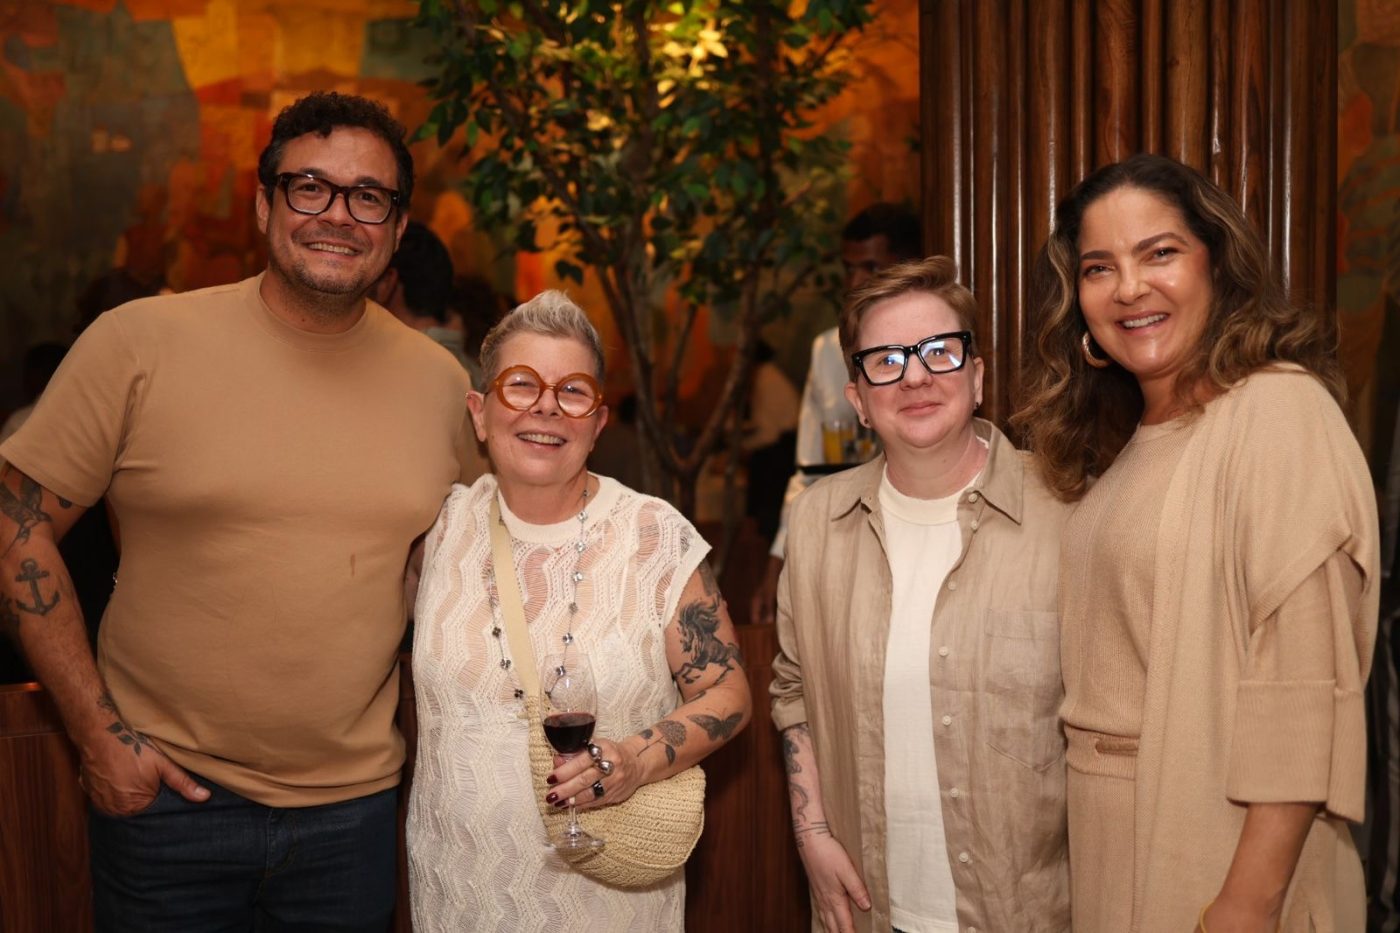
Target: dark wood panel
1023	98
1187	136
745	873
1116	50
44	879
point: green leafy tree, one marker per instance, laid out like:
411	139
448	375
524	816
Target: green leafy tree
669	147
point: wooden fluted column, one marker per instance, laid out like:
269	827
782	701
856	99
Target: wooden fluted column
1023	98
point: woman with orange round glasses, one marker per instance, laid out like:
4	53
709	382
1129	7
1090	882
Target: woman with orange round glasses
603	572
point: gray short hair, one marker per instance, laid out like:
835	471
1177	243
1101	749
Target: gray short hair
551	313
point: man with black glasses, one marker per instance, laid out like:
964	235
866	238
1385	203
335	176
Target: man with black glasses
271	450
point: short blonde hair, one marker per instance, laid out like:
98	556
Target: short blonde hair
936	275
551	313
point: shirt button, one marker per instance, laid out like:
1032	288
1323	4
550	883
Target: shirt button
952	584
964	857
954	793
943	651
974	524
973	497
947	720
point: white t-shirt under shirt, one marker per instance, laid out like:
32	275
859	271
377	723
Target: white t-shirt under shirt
922	541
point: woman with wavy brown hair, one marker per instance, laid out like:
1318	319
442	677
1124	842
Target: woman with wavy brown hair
1218	576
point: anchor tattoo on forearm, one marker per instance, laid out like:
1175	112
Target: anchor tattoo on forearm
31	574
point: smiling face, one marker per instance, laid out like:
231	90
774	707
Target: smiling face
922	412
540	447
329	260
1144	288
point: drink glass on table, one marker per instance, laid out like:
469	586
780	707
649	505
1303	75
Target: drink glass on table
569	714
837	435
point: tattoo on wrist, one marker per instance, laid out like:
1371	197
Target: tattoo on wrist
124	733
808	831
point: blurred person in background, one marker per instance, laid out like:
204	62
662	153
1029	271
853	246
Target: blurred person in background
876	237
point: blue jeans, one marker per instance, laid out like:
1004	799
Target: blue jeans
230	864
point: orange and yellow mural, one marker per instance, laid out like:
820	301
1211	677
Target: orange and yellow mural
1368	172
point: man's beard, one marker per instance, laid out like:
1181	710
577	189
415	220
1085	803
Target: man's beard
329	294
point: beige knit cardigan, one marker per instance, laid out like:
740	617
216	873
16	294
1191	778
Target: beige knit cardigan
1272	484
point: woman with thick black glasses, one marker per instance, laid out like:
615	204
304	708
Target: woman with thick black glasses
918	678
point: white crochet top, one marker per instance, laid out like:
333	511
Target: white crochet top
476	844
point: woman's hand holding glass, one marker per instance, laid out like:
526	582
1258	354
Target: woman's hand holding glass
576	776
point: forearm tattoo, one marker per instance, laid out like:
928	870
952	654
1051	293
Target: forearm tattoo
790	748
717	729
699	623
32	574
124	733
672	737
26	509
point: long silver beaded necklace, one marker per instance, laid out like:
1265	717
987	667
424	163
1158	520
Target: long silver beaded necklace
575	579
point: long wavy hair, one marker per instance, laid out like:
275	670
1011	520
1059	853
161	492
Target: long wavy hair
1077	418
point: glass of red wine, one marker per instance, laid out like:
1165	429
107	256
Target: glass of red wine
570	704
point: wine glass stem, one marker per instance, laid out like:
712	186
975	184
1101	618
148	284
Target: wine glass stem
574	828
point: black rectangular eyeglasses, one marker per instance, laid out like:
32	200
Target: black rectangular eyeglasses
311	194
941	353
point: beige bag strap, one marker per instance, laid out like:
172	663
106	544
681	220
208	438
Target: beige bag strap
512	607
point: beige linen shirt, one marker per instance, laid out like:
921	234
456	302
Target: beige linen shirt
994	681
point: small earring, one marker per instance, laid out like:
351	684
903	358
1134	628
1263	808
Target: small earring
1095	361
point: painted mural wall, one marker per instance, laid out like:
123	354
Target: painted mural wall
1368	167
131	129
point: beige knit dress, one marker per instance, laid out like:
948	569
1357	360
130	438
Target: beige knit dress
1114	572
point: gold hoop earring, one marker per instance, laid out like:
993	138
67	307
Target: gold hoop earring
1089	357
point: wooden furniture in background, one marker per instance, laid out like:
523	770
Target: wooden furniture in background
1020	99
44	881
743	876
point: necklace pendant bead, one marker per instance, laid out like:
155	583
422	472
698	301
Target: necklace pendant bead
568	638
519	694
578	576
579	547
573	607
496	631
505	664
583	515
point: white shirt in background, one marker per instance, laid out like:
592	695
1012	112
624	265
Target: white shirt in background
823	399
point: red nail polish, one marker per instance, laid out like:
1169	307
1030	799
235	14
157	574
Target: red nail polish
561	804
551	780
551	797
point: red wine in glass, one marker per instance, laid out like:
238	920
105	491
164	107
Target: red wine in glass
569	714
568	732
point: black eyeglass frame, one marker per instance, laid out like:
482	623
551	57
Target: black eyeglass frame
284	180
499	381
911	351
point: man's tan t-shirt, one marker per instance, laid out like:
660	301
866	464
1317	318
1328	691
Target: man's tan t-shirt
268	484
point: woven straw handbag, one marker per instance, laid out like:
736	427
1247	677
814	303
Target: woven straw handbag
648	836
